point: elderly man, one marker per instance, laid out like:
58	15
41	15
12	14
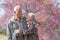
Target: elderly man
17	25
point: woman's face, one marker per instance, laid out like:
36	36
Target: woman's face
18	13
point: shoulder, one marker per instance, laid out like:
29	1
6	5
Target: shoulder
11	20
24	17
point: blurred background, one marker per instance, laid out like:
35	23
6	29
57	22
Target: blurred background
47	12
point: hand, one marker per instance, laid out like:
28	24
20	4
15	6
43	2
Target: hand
16	31
24	32
37	25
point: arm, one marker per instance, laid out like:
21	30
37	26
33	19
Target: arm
9	34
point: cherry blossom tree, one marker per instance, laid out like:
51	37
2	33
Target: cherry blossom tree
47	12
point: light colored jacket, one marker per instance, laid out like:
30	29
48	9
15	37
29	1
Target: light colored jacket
12	25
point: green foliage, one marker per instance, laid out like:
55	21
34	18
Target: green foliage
3	31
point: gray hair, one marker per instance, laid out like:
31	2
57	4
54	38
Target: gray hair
17	7
31	14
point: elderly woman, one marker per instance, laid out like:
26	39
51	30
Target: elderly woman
17	25
32	24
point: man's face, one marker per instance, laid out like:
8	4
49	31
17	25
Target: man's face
18	13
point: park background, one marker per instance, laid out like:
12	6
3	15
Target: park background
47	12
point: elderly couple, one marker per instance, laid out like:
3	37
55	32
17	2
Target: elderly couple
22	27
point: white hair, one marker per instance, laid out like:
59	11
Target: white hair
31	14
17	7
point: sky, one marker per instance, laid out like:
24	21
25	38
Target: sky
1	9
56	2
1	12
